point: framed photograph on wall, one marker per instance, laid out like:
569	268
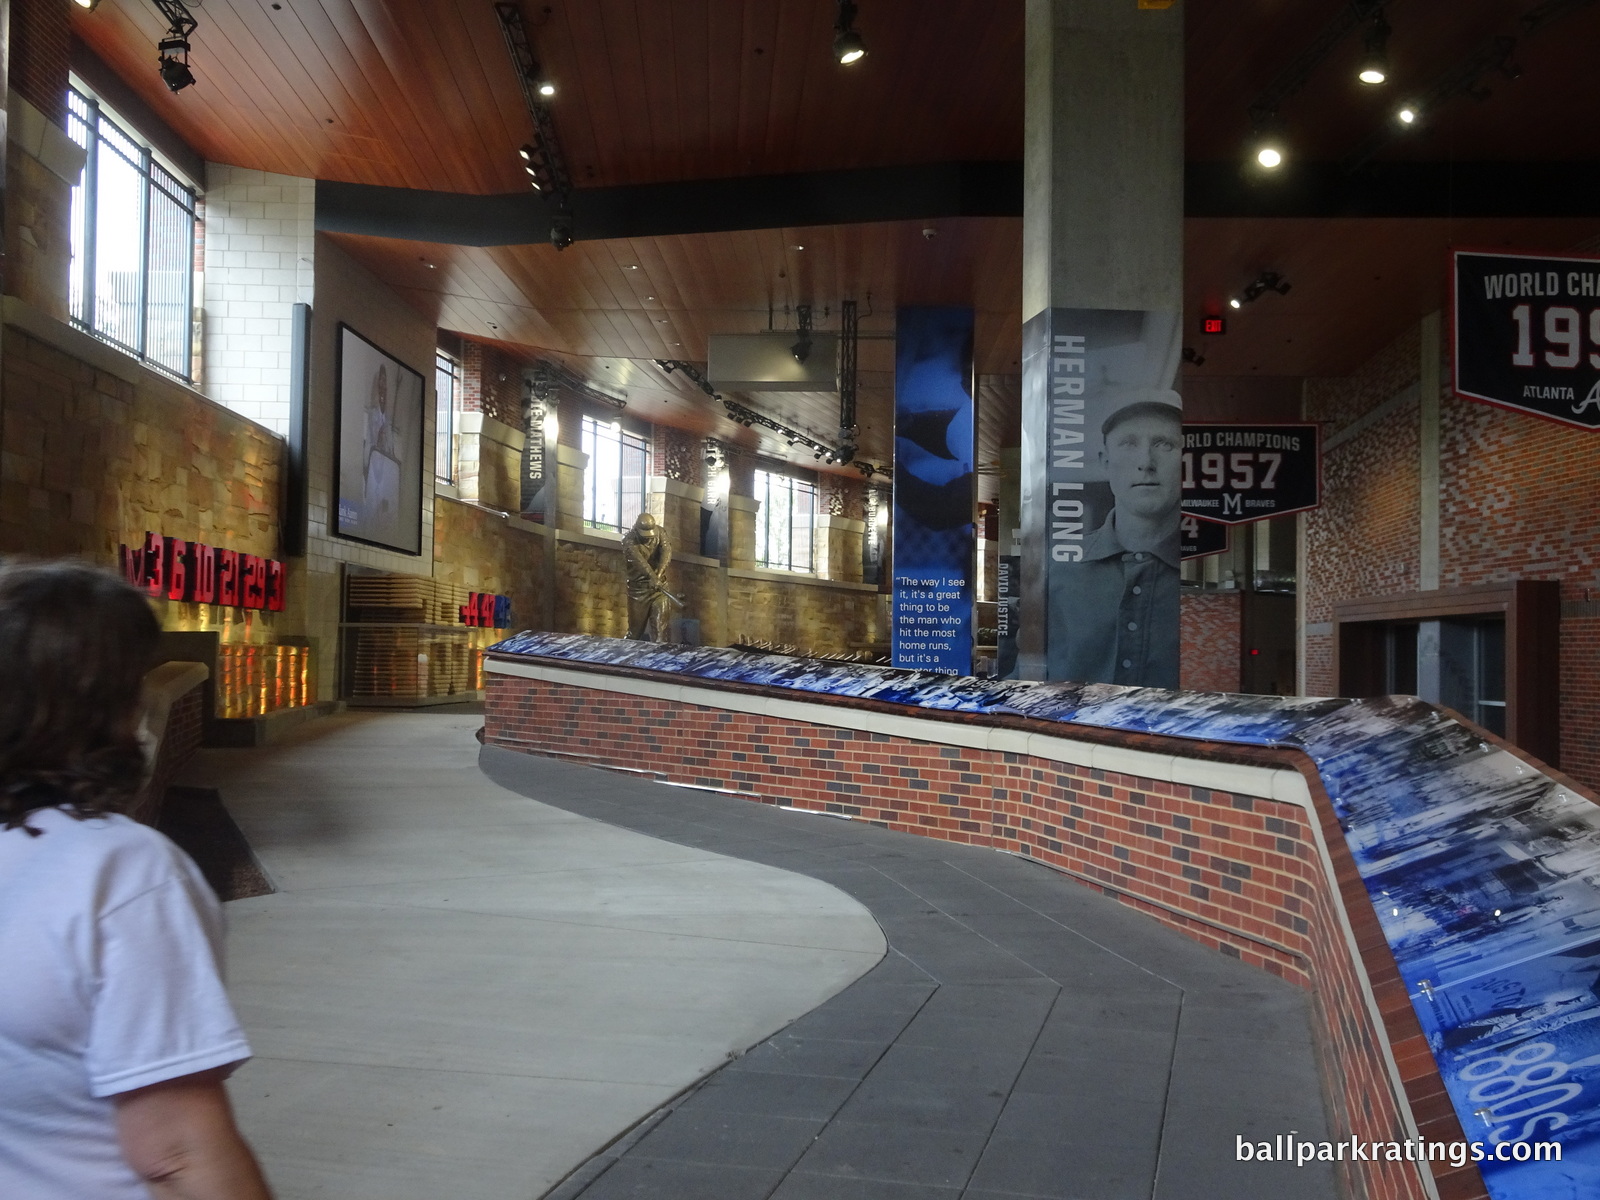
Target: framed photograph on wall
377	463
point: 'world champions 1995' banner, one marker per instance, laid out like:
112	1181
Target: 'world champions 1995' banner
1527	333
1102	444
933	490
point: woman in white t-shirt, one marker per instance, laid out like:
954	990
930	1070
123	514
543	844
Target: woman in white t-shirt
115	1031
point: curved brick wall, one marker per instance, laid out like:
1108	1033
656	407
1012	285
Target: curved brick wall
1237	847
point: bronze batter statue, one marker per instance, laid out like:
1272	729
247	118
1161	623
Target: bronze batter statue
646	553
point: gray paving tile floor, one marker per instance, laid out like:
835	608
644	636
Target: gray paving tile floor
1023	1037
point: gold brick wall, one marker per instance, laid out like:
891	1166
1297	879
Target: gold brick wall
38	233
591	595
91	460
824	619
484	552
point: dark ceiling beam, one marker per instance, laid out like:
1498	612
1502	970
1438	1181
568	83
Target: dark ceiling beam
1491	189
1396	189
695	206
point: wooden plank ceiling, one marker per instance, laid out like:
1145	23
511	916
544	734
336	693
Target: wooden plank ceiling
420	94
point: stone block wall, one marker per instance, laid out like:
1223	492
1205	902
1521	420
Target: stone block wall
1210	641
590	591
489	468
676	505
812	616
38	209
485	552
94	459
1245	874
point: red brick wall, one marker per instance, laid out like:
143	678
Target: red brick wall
1364	540
1210	645
482	389
1518	501
1238	873
178	744
41	48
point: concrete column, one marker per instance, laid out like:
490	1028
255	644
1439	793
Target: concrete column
1428	388
1102	256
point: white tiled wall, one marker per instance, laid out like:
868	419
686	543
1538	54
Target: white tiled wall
260	245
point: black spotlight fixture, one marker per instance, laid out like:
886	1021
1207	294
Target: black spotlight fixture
802	348
174	48
847	44
174	68
1267	281
1374	68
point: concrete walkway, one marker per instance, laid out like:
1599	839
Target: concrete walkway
1025	1037
461	992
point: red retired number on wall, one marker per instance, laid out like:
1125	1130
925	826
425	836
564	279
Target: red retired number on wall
173	569
486	610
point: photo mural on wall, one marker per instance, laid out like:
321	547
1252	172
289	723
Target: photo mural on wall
1102	443
1483	869
934	537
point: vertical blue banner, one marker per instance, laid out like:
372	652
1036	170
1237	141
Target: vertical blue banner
934	538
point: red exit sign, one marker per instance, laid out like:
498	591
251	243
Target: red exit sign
1213	324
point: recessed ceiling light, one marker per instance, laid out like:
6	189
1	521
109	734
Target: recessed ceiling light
547	88
1235	303
633	266
1406	115
1374	66
1270	157
799	247
661	320
649	297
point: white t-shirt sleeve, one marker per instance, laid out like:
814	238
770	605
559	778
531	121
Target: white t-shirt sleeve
159	1008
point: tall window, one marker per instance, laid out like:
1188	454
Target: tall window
133	234
447	403
784	522
613	485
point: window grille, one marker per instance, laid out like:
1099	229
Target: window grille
447	402
614	481
133	244
784	522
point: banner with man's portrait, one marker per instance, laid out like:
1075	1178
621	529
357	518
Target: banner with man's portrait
1102	445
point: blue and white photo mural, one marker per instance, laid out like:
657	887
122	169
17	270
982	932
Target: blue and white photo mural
1484	872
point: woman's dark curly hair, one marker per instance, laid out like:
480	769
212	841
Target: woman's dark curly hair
75	643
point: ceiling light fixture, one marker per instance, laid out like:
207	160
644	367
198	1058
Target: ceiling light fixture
802	348
1267	281
1268	147
847	44
1407	115
173	63
87	5
542	157
1374	68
